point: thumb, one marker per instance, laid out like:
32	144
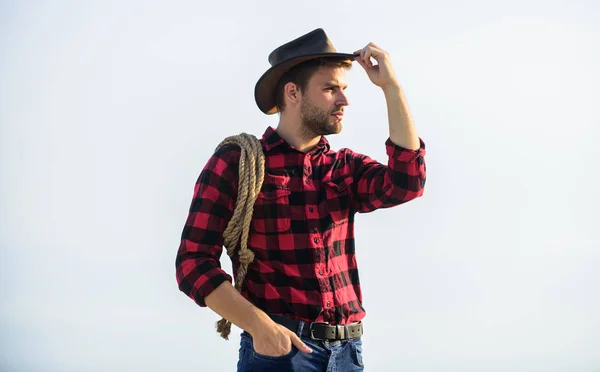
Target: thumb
299	344
364	65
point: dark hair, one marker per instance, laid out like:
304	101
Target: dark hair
301	74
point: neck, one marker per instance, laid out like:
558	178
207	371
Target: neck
291	130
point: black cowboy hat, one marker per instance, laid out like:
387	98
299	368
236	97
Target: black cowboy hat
315	44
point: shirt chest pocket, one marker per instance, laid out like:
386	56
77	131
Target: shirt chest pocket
272	206
338	202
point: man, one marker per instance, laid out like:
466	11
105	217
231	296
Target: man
300	307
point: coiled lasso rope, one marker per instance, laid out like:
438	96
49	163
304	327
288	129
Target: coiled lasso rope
251	176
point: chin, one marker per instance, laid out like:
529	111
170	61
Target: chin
335	127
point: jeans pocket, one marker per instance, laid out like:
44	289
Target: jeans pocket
357	352
243	364
248	344
287	356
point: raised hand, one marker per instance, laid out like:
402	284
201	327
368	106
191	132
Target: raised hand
382	74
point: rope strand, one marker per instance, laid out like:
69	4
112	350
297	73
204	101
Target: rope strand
251	176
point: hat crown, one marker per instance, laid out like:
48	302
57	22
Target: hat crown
315	42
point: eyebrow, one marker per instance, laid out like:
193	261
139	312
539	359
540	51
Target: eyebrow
332	85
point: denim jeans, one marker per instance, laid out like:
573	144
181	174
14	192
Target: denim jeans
327	356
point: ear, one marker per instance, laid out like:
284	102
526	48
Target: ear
291	93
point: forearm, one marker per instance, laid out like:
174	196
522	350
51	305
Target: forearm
403	177
402	129
231	305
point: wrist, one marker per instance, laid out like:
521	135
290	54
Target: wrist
392	88
260	324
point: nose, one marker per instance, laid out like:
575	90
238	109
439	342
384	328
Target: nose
342	99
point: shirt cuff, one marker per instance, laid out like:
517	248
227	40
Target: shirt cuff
210	285
403	154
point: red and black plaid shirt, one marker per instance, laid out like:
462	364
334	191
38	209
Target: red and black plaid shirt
302	232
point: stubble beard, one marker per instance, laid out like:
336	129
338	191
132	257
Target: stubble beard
318	122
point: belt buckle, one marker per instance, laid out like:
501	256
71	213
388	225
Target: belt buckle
311	331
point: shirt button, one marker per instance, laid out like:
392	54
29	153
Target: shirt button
316	240
320	272
310	209
307	182
328	304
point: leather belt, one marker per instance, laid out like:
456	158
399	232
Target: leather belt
321	331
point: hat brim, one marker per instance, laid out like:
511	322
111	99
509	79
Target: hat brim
264	91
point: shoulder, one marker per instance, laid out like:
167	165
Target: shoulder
231	147
228	151
224	160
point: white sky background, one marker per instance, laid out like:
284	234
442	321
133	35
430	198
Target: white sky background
105	113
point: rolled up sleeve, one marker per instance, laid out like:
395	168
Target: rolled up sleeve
379	185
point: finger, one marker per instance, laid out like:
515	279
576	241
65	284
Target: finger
361	49
364	55
367	57
299	344
375	45
379	54
362	63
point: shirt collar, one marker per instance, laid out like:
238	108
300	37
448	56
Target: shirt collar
271	139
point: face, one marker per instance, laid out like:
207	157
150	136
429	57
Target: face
323	101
